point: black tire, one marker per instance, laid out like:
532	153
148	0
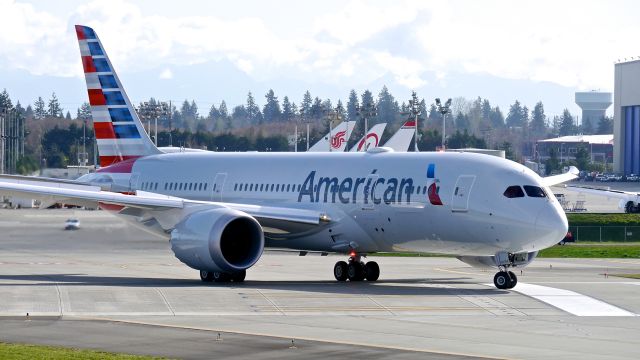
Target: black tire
355	271
340	271
514	280
372	271
502	280
221	277
239	276
206	276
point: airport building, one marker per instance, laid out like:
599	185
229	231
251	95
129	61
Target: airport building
600	147
626	118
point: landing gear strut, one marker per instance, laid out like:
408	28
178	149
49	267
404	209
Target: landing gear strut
356	270
209	276
505	279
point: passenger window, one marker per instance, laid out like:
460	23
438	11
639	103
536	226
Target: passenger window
298	187
278	188
288	187
155	187
205	186
534	191
514	192
261	187
271	187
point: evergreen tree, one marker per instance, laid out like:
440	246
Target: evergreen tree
538	121
352	106
317	111
367	98
253	111
68	116
567	126
271	110
462	122
387	107
496	118
605	125
20	110
5	101
224	114
515	115
587	126
28	113
486	111
305	106
39	111
583	159
84	112
340	108
54	109
288	113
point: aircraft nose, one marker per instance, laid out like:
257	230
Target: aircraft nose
552	226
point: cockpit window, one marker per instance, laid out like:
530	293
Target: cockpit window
514	191
534	191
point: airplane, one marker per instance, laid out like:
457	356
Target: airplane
371	139
339	137
401	140
628	201
219	211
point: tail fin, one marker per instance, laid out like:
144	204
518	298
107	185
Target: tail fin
339	137
371	139
401	140
119	132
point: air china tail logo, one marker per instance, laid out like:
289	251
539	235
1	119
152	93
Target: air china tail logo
434	188
368	142
338	139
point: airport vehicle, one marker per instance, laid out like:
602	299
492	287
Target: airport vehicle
371	139
72	224
220	210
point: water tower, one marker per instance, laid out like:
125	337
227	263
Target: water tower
594	105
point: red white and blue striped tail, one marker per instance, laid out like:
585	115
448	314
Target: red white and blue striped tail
119	132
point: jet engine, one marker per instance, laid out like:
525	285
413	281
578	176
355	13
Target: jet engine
520	259
218	240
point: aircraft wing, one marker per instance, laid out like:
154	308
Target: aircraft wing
559	179
606	192
286	218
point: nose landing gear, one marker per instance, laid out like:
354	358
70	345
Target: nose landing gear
505	279
356	270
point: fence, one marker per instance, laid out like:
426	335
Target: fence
605	233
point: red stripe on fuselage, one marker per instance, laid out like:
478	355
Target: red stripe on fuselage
110	207
87	64
117	164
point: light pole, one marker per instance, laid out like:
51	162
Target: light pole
444	110
414	105
366	111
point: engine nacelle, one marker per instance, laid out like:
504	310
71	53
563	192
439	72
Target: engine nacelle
520	259
218	240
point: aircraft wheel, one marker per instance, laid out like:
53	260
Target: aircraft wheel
355	271
372	271
206	276
502	280
514	279
221	277
340	271
239	276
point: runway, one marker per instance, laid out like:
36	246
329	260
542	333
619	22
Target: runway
116	281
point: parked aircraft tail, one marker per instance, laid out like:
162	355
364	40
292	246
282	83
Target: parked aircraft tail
339	137
371	139
119	132
401	140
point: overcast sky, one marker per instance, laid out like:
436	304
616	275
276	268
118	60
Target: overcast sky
215	50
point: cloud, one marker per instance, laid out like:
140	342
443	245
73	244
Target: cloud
166	74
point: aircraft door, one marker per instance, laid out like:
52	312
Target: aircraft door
461	192
218	184
133	182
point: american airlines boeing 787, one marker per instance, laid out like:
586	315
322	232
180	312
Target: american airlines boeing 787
220	210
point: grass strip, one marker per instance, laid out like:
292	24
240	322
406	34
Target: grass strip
12	351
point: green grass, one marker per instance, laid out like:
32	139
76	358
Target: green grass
592	251
629	276
29	352
603	219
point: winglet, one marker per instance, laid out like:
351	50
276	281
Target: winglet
558	179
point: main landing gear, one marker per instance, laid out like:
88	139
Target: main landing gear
505	279
356	270
209	276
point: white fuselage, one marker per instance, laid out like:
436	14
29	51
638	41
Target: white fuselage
377	201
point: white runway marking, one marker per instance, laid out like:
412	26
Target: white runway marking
571	302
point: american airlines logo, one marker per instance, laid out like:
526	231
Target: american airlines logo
338	140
